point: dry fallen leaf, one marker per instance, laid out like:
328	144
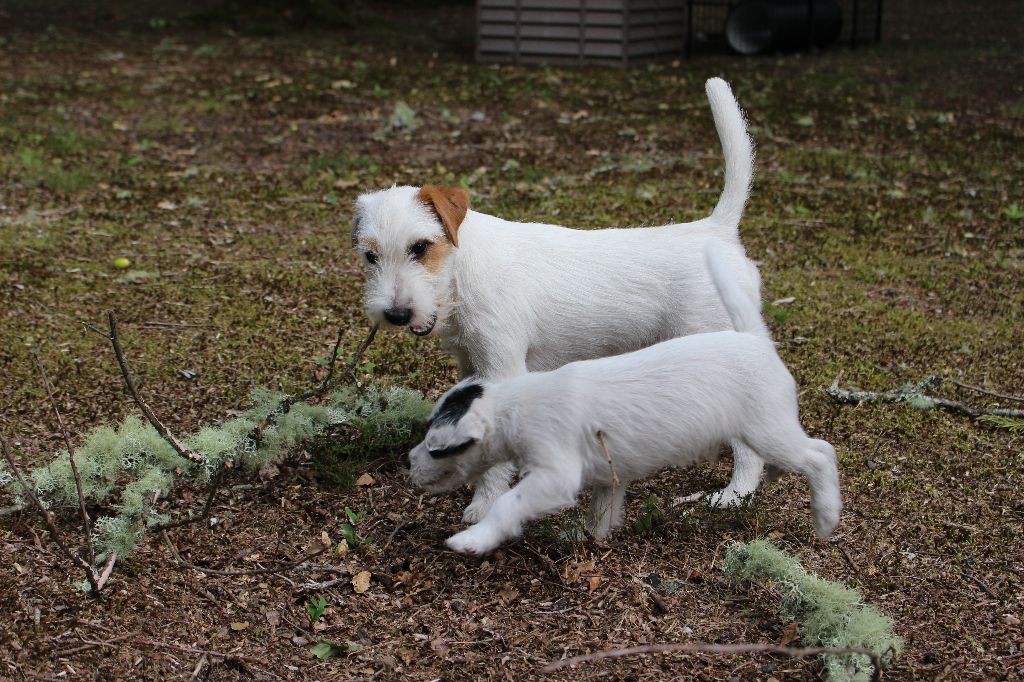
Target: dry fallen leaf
439	647
789	635
593	582
238	625
365	479
361	581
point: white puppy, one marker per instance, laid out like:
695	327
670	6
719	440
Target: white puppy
507	298
672	404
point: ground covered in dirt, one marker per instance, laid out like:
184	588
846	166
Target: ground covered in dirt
889	206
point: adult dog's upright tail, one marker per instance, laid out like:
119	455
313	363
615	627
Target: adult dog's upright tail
738	150
744	311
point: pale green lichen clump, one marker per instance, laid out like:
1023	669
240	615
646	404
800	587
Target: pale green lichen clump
128	467
827	613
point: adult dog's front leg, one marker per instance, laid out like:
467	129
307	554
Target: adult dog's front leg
492	365
491	485
538	494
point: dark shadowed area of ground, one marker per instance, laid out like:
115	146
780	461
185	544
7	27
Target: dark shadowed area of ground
889	205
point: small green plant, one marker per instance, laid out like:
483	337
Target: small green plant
353	538
325	648
651	516
315	607
874	221
1011	424
1014	212
777	313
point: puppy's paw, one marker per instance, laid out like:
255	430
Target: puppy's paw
475	540
720	499
477	509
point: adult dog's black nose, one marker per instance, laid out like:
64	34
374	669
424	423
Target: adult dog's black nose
398	316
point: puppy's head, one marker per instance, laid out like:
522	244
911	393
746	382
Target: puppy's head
405	237
451	454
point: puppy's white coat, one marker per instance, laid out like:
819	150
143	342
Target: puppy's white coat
507	298
672	404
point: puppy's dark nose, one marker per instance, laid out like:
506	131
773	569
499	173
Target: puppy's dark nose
398	316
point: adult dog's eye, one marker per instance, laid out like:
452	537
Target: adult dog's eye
371	258
419	248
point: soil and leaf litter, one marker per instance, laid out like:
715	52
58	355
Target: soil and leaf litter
886	215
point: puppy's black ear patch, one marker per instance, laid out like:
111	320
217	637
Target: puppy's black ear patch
456	404
451	450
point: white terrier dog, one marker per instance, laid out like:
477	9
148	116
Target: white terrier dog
672	404
507	298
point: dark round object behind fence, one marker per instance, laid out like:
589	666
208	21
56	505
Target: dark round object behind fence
756	26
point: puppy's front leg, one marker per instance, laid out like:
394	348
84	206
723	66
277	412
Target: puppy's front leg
539	493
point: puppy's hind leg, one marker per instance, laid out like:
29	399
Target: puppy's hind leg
605	511
823	476
747	466
792	450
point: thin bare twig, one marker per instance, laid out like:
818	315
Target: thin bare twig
185	649
61	653
391	537
985	391
916	392
199	667
214	487
315	587
137	397
253	571
90	553
726	649
615	480
323	387
90	573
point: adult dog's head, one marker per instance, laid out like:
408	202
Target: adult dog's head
406	237
452	453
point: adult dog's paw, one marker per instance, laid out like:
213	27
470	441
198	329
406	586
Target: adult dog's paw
475	540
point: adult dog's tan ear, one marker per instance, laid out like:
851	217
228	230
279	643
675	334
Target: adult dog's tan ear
449	204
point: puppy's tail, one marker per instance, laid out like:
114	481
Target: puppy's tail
739	154
744	311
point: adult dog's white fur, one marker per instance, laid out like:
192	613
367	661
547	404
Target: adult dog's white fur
507	298
672	404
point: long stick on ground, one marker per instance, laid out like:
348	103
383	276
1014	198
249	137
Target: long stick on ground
137	397
95	581
726	649
985	391
913	394
90	553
